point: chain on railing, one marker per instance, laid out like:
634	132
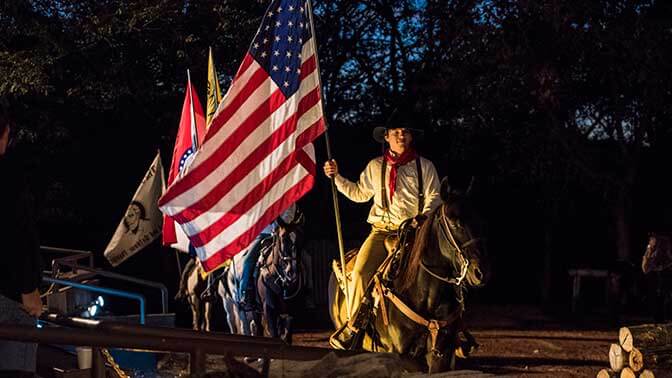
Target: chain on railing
113	363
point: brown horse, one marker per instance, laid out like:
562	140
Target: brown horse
420	314
192	286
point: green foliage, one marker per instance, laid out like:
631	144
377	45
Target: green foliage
542	94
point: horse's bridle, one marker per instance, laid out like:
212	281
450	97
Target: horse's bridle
281	278
432	325
464	262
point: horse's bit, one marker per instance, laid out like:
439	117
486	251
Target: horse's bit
464	263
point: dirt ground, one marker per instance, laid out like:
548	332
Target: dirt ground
520	341
525	353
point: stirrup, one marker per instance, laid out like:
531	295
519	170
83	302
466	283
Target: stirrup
346	338
208	296
248	302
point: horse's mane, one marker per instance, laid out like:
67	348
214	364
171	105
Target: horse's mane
410	272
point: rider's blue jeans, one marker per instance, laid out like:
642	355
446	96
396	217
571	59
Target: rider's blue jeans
16	355
249	262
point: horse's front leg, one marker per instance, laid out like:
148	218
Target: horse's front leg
440	355
245	322
206	315
286	327
195	305
270	312
271	320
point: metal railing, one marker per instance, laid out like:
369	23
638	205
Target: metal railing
102	290
196	344
73	254
72	262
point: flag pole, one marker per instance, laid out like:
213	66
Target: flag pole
194	136
334	192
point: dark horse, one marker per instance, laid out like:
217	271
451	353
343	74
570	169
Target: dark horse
281	275
420	313
279	278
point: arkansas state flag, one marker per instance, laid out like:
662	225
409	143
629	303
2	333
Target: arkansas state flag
190	134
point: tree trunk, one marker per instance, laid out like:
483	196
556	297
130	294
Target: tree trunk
617	358
628	373
646	336
658	358
636	360
548	269
622	224
654	341
606	373
646	373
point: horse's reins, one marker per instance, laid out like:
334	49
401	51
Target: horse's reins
280	275
457	281
432	325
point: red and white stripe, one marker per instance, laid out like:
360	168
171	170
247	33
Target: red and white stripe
257	159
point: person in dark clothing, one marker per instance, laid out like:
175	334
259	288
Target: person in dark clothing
20	271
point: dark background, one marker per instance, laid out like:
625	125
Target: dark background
560	110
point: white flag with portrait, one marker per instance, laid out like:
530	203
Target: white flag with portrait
142	221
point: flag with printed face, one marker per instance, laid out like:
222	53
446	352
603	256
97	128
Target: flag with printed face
141	224
257	157
214	93
190	134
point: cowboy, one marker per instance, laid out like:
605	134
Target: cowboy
20	271
393	180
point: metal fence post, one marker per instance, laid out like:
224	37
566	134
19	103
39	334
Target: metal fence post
197	363
97	363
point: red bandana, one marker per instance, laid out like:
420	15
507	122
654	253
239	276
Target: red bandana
396	162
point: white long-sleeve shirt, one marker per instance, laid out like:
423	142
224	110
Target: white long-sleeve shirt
404	203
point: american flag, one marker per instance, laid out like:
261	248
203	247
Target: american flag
257	158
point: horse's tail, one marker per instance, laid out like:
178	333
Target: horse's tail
186	272
410	272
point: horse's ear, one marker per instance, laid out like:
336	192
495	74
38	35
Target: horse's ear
445	189
471	185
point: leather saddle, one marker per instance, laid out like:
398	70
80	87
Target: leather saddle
391	245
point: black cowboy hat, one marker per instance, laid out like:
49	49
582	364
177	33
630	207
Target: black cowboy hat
400	119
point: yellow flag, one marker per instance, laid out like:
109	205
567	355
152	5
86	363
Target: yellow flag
214	93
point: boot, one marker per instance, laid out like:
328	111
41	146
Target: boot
346	338
248	301
208	295
350	336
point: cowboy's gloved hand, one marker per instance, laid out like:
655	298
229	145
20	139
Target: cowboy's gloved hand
418	220
330	168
